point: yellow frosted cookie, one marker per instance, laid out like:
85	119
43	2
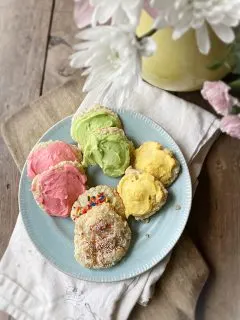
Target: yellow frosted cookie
142	194
153	158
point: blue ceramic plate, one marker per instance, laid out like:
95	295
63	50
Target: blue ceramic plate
151	242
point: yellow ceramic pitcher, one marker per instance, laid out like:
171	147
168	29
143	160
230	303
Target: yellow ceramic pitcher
177	65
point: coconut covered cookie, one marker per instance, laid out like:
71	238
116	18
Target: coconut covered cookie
50	153
56	189
102	238
95	197
153	158
98	117
142	194
110	149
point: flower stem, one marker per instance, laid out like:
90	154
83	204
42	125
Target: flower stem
147	34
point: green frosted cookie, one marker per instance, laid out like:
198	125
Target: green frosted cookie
85	124
110	149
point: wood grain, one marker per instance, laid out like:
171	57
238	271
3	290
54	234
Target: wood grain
38	117
24	28
215	224
62	38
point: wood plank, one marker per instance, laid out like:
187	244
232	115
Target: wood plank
215	226
24	28
62	38
40	115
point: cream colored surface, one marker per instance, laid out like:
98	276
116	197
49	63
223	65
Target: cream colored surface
178	65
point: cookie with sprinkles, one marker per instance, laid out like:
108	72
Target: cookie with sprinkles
96	196
102	238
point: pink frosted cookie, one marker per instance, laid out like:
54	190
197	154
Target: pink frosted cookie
56	189
48	154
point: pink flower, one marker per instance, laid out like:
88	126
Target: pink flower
217	94
153	12
231	125
82	13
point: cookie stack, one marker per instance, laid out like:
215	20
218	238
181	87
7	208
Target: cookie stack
143	188
100	137
58	177
102	235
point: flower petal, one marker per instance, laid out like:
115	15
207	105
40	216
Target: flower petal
79	59
203	41
217	94
104	13
224	32
82	13
110	54
229	21
120	17
177	33
162	5
153	12
134	15
95	33
231	125
159	22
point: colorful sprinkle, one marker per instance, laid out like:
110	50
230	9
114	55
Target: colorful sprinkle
93	201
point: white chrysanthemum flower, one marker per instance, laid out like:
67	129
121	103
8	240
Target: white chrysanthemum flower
120	11
111	57
183	15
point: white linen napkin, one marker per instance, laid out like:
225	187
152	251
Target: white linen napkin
31	288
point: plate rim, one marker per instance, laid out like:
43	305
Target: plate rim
163	253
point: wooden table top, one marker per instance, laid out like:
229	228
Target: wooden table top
35	42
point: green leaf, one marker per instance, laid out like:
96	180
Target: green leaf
235	85
216	65
236	58
236	70
225	61
235	110
236	47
